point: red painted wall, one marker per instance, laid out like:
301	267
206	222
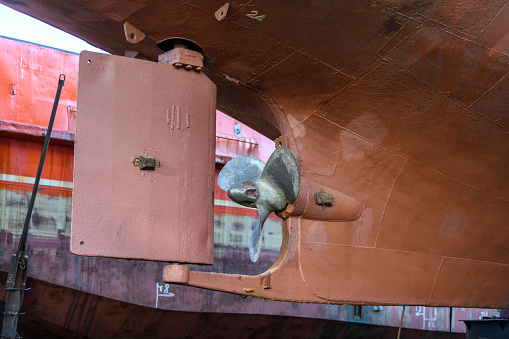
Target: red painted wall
32	71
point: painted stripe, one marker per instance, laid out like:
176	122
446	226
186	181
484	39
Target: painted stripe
68	184
31	180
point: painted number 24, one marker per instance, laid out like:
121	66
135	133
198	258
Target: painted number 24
254	15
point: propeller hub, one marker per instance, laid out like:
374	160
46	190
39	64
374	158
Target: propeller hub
245	193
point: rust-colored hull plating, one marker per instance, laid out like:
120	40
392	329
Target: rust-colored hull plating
401	105
80	282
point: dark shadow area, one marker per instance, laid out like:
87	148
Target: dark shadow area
91	316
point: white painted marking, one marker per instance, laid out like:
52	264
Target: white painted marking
31	180
160	292
429	322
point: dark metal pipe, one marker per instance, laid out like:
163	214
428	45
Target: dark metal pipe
18	268
22	240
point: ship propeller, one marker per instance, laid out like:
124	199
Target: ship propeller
268	187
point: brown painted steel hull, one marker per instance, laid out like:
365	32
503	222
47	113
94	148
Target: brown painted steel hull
400	105
75	288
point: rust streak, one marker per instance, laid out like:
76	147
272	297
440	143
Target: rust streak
465	37
414	76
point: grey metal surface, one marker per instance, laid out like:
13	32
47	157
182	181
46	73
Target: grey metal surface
245	193
241	169
277	186
255	247
282	171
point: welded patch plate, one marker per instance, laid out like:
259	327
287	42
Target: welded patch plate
129	108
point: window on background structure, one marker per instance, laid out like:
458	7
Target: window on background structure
357	311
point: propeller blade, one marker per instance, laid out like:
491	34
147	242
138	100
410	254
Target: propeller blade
269	188
282	173
244	168
255	244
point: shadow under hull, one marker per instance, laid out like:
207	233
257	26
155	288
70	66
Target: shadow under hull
54	311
